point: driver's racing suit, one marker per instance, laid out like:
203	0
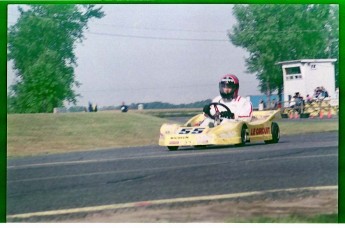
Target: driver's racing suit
239	106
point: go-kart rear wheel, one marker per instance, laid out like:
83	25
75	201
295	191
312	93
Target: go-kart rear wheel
275	134
244	135
172	148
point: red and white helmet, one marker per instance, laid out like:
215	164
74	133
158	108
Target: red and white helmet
229	81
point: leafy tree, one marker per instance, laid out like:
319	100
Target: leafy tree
333	39
280	32
41	45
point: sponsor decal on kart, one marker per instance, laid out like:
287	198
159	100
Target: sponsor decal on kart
179	137
260	131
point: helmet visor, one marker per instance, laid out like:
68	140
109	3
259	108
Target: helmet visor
227	84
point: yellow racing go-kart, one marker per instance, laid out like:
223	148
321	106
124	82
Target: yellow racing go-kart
231	132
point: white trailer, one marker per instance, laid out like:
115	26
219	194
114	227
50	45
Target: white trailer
305	75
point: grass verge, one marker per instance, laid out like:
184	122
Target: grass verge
35	134
299	127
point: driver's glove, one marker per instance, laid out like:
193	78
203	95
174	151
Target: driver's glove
206	110
226	114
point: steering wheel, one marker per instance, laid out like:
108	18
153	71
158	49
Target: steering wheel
217	114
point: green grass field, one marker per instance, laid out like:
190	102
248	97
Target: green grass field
32	134
37	134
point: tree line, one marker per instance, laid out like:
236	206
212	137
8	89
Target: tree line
147	105
164	105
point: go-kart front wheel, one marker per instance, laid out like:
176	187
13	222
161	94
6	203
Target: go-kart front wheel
244	136
172	148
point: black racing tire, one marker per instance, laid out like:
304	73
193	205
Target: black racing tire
275	134
172	148
244	136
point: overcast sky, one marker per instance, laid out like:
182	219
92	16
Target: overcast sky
159	52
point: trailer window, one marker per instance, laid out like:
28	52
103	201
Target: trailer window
292	70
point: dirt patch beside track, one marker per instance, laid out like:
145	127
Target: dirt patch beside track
303	203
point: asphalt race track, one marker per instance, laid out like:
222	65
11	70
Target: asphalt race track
114	176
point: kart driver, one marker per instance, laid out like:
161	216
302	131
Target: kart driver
241	108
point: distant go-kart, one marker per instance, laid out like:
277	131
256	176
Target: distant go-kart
231	132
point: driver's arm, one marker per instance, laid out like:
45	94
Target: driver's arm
206	110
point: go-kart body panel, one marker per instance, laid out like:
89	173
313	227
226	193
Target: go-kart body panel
227	133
